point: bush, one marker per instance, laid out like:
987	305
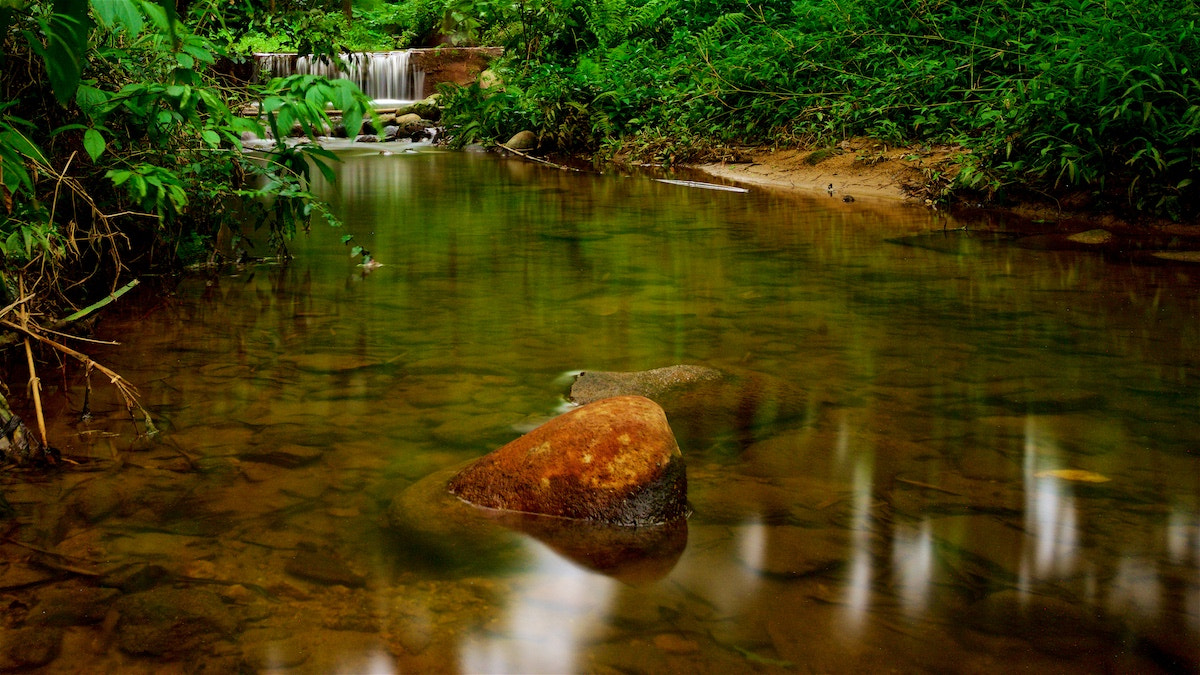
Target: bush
1069	95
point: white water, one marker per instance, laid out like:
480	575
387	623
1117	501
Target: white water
385	77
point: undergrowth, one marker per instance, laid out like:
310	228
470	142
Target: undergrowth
1070	96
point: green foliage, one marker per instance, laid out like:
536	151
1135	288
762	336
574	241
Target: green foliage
1072	95
136	152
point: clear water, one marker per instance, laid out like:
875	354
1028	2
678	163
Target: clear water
911	521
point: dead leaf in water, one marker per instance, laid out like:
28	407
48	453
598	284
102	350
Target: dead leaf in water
1074	475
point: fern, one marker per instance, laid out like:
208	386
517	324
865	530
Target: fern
710	38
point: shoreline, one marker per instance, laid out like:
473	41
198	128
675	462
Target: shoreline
910	175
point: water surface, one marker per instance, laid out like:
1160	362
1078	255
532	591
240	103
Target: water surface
914	518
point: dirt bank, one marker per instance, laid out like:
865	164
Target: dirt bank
861	167
855	168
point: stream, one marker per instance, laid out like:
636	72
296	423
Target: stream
996	467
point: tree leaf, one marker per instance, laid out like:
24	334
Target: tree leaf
93	143
1074	475
119	14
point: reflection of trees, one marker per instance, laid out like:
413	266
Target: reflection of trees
948	378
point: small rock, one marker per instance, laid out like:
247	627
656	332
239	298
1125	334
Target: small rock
796	552
323	568
30	647
171	622
522	140
237	594
488	79
75	606
1091	237
287	456
1053	626
594	385
134	578
675	643
274	655
1178	256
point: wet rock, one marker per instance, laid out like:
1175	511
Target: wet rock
794	552
72	606
273	655
703	403
134	578
522	140
17	575
1091	237
1191	257
612	461
1090	240
1053	626
323	568
172	622
287	456
432	524
1048	402
425	110
366	138
408	120
660	383
30	647
1173	647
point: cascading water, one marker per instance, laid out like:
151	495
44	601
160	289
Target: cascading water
385	77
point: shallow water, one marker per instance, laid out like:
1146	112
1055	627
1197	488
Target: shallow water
908	519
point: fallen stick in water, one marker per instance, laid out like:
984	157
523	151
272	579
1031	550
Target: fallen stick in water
701	185
537	159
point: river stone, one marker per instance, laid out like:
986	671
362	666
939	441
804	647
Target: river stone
613	461
1091	237
653	384
701	402
1054	626
171	622
323	568
73	605
489	79
522	140
30	647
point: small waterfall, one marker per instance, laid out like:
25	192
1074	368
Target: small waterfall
384	76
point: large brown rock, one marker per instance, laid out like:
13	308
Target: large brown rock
612	461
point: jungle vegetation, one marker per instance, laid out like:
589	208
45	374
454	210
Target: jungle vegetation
121	151
1054	97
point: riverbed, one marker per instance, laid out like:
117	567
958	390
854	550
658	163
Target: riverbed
995	467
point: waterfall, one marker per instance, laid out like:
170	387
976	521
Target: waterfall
385	77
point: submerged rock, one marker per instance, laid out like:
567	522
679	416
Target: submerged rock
23	648
613	461
72	605
172	622
323	568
